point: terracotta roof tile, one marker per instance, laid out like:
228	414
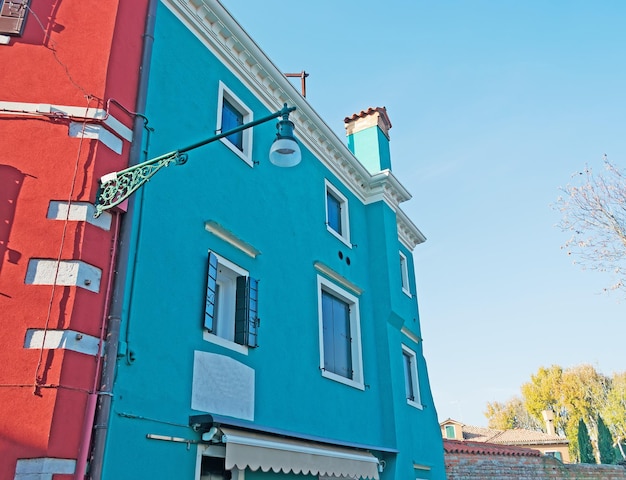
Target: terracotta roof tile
520	436
478	434
369	111
482	448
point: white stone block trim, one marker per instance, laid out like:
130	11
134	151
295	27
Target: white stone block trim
64	340
79	212
111	140
98	132
70	273
43	468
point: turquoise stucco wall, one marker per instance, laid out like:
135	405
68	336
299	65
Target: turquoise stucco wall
281	212
371	147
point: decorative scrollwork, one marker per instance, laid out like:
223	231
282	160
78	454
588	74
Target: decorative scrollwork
118	186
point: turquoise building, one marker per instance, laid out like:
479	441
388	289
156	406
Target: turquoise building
269	325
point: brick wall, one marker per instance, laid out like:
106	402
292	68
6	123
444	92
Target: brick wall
479	466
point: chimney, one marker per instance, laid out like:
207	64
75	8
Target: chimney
368	138
548	417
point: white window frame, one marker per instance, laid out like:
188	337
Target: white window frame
417	401
345	214
445	429
355	331
218	338
225	93
404	271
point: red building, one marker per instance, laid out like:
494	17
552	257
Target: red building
69	80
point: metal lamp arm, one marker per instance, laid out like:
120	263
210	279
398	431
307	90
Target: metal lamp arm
116	187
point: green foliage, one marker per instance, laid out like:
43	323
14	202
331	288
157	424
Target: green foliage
614	412
510	415
543	392
605	443
572	394
584	444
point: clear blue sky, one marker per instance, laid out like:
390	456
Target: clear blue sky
494	105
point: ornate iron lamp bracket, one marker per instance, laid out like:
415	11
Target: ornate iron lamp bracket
118	186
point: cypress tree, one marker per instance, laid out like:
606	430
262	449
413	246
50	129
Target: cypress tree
605	443
584	444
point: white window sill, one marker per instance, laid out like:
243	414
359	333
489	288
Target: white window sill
346	381
222	342
245	157
343	239
419	406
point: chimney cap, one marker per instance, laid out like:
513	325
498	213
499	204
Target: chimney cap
368	118
370	111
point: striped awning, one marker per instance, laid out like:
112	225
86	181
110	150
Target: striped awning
255	451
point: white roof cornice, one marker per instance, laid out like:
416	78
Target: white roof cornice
212	24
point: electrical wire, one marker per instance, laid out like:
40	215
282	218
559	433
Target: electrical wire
38	378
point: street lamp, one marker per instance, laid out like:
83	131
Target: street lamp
115	187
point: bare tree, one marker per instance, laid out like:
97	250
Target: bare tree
594	212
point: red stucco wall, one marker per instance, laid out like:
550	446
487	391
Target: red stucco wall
73	53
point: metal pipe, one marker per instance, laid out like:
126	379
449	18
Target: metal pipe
302	76
110	357
92	399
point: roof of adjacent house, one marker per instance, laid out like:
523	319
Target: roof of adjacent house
517	436
481	448
478	434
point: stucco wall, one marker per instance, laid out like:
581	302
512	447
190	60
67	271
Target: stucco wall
466	466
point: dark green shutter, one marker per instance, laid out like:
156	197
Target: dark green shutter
12	16
246	311
211	288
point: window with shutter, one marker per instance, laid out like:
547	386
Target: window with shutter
246	318
339	334
404	272
411	383
231	118
211	294
408	376
337	218
231	305
334	212
13	16
337	340
232	113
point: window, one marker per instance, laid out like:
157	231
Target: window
411	383
340	334
337	219
556	454
13	16
231	118
404	271
233	113
231	311
450	431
